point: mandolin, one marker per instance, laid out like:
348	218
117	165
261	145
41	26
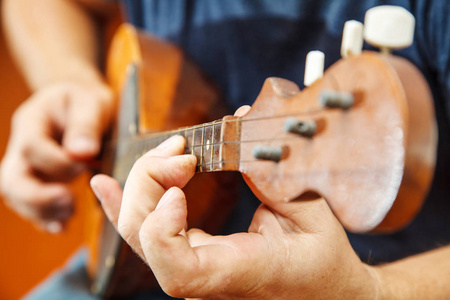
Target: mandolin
363	137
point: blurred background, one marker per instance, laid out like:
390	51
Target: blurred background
27	255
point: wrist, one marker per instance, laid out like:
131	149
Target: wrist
393	283
78	71
362	283
374	283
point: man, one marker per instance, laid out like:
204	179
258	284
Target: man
292	250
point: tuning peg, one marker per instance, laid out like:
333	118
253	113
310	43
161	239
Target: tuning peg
352	38
389	27
314	66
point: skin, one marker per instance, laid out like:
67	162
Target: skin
295	250
60	126
276	259
48	147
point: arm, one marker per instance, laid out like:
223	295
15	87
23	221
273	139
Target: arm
61	124
423	276
53	40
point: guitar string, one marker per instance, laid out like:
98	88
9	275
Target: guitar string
332	81
143	141
311	111
334	86
242	119
147	137
165	135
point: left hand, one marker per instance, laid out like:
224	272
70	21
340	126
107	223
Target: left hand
295	250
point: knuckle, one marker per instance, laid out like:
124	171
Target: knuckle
4	192
6	180
174	287
180	287
165	170
174	172
150	237
125	230
142	165
106	95
173	290
28	150
19	115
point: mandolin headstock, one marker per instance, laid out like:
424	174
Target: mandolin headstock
371	156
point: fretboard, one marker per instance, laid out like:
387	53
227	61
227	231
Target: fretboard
214	144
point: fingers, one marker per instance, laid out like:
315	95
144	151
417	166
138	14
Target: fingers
150	177
162	241
242	111
87	119
172	259
109	193
36	165
34	140
198	264
48	204
49	159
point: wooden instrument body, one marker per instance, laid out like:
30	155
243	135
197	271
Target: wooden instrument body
159	89
373	162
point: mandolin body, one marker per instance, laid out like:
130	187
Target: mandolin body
373	163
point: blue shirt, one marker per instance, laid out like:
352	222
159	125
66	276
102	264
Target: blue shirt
240	43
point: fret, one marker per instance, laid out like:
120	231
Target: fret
202	155
217	145
184	133
213	144
207	148
197	146
189	145
230	149
212	147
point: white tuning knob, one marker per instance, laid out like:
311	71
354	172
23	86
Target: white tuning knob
314	66
352	39
389	27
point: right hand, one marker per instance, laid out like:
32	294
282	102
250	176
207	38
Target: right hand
292	250
53	133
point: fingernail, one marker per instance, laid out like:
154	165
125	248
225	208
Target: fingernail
83	144
53	227
169	142
165	198
96	190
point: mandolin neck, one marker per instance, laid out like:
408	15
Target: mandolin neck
216	145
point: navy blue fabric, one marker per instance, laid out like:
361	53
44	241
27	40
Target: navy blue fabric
240	43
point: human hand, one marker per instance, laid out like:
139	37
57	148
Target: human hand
53	133
295	250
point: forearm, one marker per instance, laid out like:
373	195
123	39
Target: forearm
423	276
52	40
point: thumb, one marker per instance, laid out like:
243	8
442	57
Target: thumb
88	116
109	193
